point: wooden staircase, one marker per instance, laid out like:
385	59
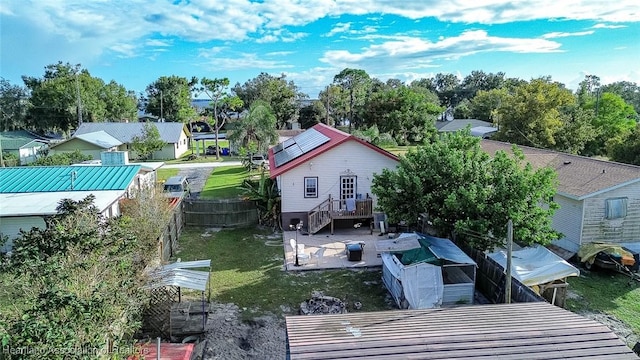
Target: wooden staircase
332	209
320	216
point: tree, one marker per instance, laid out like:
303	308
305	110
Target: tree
66	158
68	95
216	90
627	90
531	114
479	80
447	87
257	130
169	97
354	82
485	104
282	96
264	192
628	151
407	114
462	189
13	106
335	102
81	283
614	120
148	142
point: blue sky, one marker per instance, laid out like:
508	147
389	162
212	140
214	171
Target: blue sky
135	42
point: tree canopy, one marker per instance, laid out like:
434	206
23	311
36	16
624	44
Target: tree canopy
464	190
169	98
257	130
148	142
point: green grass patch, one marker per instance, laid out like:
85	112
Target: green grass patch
247	269
163	174
224	183
399	150
608	292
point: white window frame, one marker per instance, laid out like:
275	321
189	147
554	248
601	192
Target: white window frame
615	208
311	187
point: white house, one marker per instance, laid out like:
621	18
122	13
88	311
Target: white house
325	174
175	135
599	200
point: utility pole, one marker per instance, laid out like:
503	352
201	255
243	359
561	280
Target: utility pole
1	153
507	281
79	101
161	115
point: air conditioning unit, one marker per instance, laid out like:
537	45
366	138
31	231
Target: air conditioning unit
114	158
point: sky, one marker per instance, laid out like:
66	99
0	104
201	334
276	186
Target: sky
135	42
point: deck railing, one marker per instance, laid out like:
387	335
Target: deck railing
321	215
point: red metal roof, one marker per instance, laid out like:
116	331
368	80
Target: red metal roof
168	351
336	137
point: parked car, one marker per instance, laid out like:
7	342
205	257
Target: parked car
211	150
259	161
177	187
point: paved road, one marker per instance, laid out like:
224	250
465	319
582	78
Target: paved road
198	173
201	165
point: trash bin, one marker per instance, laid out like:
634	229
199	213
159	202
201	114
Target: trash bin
225	151
354	252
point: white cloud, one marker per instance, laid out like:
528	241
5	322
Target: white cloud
125	50
239	61
554	35
607	26
339	28
405	52
159	43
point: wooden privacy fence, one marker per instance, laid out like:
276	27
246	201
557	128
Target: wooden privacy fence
490	280
220	213
168	241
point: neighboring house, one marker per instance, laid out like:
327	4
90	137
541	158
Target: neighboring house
478	128
91	144
599	200
320	173
175	135
23	144
30	194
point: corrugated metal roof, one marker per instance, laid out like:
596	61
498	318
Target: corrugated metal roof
175	274
125	132
66	178
502	331
97	138
14	140
45	203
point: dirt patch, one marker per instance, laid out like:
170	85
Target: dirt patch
624	332
263	337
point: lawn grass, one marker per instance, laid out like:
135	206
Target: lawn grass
224	183
247	269
608	292
163	174
398	150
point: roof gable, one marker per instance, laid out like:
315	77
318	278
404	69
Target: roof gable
336	137
578	176
66	178
14	140
98	138
125	132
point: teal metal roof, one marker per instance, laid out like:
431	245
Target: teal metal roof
66	178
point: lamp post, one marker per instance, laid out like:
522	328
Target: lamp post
297	227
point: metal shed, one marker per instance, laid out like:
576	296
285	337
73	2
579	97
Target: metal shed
499	331
422	271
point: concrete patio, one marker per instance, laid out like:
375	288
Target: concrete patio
335	256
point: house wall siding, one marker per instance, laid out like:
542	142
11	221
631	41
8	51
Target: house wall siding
83	146
568	220
597	228
10	227
350	157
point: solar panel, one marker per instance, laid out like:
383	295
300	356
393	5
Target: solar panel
297	146
278	148
310	140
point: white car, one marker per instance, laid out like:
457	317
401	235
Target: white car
259	161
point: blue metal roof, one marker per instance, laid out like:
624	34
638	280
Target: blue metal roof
66	178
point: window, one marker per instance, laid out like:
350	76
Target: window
615	208
311	187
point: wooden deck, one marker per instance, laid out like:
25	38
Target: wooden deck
332	209
502	331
